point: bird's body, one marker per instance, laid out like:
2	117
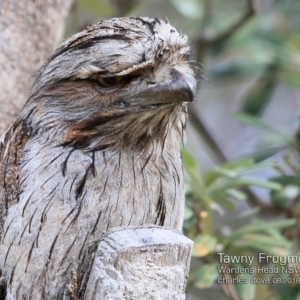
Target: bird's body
84	157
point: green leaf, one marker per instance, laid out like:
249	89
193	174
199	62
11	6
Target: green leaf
289	161
237	164
188	213
257	226
262	154
259	96
193	177
286	180
288	292
233	68
245	246
250	182
217	207
233	169
235	194
213	174
245	214
190	164
288	193
255	166
275	234
227	204
206	276
246	291
262	240
254	121
204	245
286	196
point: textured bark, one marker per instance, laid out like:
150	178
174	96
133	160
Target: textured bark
140	263
29	33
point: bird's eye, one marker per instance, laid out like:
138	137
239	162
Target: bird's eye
107	82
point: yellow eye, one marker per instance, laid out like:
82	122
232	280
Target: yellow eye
107	82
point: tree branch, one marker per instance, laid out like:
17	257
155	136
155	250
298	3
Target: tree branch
29	33
204	38
221	158
146	262
207	14
205	134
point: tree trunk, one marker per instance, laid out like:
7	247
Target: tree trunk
147	262
29	33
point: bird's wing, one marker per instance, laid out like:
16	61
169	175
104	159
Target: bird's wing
11	148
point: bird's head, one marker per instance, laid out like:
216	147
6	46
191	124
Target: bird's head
119	82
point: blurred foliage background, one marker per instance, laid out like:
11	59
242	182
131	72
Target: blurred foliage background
243	152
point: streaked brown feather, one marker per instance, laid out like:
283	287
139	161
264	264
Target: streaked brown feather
11	149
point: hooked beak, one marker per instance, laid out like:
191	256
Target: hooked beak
180	88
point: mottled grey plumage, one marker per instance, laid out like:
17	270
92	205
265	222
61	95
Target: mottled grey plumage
83	157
